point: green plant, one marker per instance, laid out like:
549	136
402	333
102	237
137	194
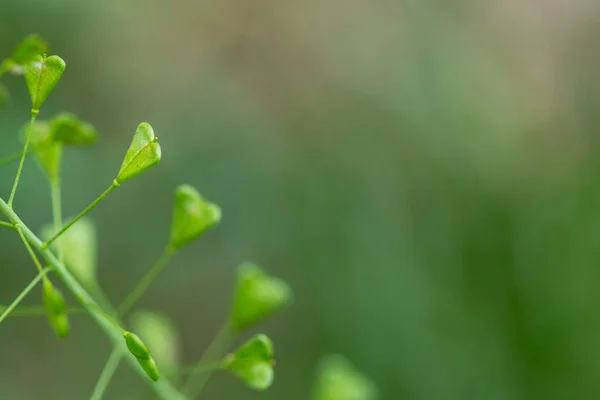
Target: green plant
67	251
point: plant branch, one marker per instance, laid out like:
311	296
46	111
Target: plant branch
57	212
24	293
146	281
107	373
7	224
215	351
34	257
89	208
163	388
34	114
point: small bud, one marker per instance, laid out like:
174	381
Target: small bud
143	154
192	216
257	296
161	336
56	309
339	380
69	130
142	354
136	346
28	49
48	154
253	362
79	249
41	75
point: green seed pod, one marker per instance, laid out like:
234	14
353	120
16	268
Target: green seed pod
192	216
143	153
159	333
257	296
41	75
150	367
338	380
69	130
253	362
136	346
56	309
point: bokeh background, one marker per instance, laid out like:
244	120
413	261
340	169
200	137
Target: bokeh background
424	173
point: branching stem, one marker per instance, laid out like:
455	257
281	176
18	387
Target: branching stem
24	293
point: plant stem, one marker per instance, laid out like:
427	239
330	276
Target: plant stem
89	208
36	261
215	350
7	224
163	388
12	158
57	212
107	373
38	311
146	281
198	369
34	114
24	293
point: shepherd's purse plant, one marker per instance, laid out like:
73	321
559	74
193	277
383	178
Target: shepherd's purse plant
64	254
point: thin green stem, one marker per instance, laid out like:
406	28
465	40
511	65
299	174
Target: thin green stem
7	224
214	352
34	257
163	388
34	114
89	208
12	158
24	293
55	194
198	369
146	281
107	373
38	311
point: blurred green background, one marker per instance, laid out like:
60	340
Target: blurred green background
424	173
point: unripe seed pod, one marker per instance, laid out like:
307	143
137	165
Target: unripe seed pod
136	346
56	309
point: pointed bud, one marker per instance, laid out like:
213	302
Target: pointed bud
41	75
257	296
143	154
56	309
161	336
339	380
253	362
142	354
192	216
69	130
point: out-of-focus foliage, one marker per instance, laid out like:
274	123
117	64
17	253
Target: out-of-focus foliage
423	174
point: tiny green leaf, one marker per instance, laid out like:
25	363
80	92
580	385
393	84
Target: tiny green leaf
69	130
142	354
257	296
28	49
253	362
161	336
143	154
192	216
47	153
41	75
4	96
79	249
338	380
56	309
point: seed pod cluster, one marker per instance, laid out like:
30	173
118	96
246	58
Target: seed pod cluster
56	309
142	354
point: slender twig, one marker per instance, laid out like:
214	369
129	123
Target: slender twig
34	114
24	293
214	352
89	208
7	224
107	373
163	388
146	281
34	257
